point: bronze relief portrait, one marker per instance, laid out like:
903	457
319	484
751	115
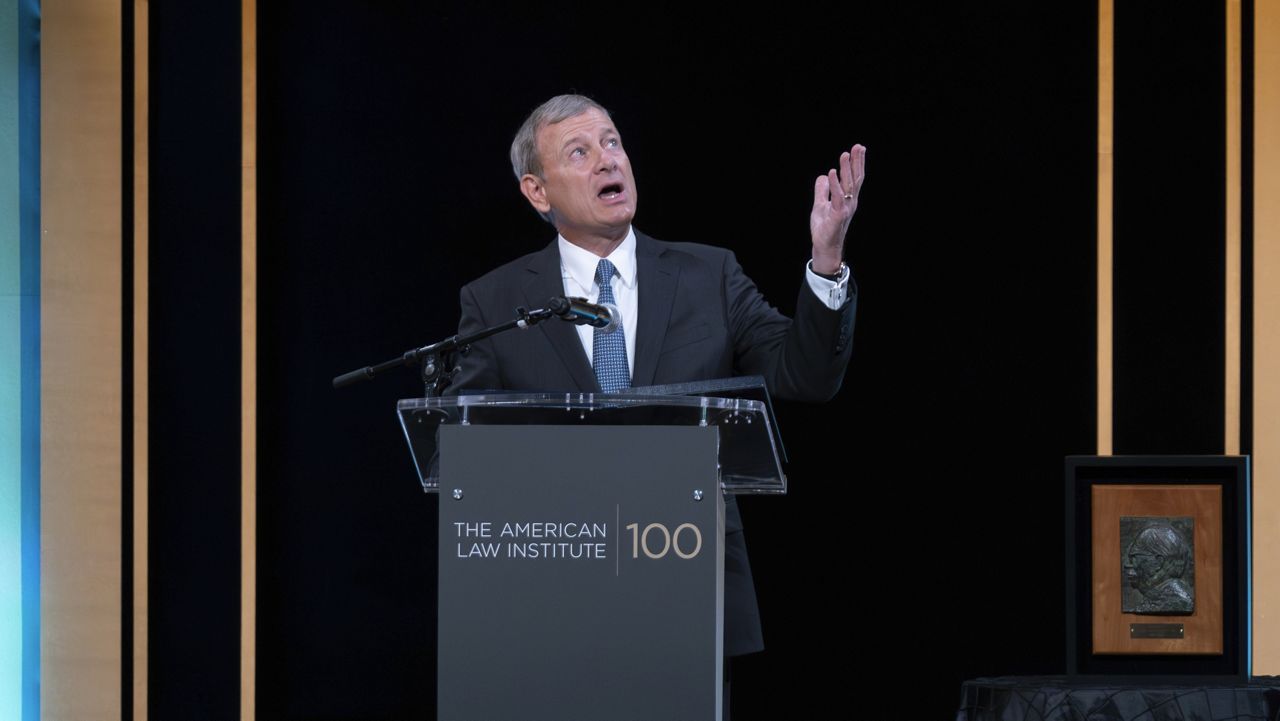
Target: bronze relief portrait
1158	565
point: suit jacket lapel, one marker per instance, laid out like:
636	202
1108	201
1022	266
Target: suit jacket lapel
544	281
656	280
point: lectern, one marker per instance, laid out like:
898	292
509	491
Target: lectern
581	548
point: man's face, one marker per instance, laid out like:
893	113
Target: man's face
1143	567
586	178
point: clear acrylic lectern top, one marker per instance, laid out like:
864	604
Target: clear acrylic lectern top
749	456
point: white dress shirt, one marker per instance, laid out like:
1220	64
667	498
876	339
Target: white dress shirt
578	271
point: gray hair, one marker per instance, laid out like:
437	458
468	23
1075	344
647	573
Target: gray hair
1162	540
525	159
524	148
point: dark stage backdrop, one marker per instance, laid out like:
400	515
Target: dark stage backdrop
929	490
923	535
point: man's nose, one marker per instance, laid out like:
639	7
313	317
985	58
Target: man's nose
606	163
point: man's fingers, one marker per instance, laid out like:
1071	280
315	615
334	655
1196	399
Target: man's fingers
837	190
847	182
859	155
820	190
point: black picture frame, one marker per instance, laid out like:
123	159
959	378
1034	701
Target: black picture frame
1232	474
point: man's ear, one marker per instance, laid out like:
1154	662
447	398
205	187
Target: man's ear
533	189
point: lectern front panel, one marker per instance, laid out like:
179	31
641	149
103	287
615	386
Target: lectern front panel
581	573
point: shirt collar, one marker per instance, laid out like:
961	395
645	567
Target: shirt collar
581	264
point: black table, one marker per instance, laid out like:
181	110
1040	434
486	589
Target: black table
1119	698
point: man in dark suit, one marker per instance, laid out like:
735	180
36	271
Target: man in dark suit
688	311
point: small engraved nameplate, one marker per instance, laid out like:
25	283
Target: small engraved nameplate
1155	630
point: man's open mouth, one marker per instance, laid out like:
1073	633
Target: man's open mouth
611	191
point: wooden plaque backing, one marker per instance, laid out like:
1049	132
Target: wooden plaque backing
1203	628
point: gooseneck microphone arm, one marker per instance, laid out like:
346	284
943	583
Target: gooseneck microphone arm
439	360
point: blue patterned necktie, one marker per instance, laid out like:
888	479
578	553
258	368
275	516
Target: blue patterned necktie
609	350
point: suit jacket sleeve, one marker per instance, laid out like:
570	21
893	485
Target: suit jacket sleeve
802	359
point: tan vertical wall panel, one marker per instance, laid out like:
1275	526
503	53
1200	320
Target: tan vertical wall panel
1106	66
80	352
1266	338
248	358
141	179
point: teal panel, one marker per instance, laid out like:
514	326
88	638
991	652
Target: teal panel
10	370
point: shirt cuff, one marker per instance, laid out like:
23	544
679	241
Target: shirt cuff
832	293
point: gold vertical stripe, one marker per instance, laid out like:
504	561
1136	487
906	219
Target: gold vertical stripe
1266	337
140	389
81	322
1106	65
1231	404
248	358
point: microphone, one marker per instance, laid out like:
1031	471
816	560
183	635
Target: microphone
578	311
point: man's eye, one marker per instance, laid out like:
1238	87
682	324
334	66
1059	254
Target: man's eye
612	143
577	152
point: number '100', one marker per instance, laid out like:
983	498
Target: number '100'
671	541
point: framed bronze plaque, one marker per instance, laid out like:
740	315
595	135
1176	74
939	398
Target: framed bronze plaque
1185	522
1158	565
